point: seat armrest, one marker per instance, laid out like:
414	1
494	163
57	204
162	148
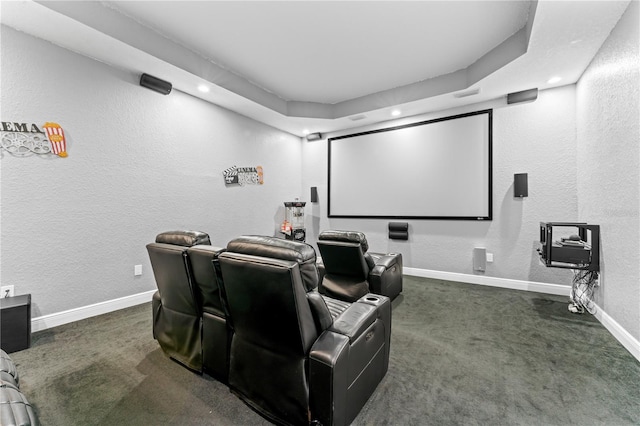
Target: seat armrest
387	260
328	377
347	362
386	276
383	308
355	320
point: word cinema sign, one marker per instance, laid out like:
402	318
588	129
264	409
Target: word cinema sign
23	139
243	176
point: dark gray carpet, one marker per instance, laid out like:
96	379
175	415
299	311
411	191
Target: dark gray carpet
461	355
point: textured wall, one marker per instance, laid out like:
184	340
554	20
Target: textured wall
537	138
139	163
608	115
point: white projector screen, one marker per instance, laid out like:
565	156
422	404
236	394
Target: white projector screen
436	169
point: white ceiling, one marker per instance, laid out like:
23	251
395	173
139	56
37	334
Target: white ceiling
315	65
330	52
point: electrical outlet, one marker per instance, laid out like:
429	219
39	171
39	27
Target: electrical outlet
6	291
137	270
489	257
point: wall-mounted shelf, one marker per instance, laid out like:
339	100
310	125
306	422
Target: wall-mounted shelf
577	248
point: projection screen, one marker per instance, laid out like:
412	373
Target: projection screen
436	169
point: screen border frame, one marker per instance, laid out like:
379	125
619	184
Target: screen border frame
489	215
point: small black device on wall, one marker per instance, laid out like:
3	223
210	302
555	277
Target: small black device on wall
314	194
520	185
314	136
398	230
524	96
155	84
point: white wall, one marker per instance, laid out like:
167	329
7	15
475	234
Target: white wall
608	115
537	138
139	163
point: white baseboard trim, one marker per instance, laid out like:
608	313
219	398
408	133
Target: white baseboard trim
60	318
558	289
623	336
627	340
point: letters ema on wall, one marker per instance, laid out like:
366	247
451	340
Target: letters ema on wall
22	139
243	176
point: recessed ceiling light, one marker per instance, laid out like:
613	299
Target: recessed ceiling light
553	80
203	88
396	112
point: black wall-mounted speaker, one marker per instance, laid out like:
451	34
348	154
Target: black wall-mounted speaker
524	96
155	84
520	185
399	230
314	194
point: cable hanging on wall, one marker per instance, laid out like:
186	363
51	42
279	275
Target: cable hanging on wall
582	289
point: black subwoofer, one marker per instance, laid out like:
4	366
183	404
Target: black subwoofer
15	333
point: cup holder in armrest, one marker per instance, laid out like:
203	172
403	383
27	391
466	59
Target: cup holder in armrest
374	299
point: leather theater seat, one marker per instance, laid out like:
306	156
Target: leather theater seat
290	359
177	315
350	271
15	410
215	335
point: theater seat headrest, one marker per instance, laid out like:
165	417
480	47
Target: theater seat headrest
183	238
278	248
345	236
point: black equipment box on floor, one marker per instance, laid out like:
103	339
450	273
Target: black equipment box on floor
15	316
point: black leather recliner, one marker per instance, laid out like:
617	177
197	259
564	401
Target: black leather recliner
350	271
290	359
14	407
215	335
177	315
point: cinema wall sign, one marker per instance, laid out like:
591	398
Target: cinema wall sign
243	176
22	139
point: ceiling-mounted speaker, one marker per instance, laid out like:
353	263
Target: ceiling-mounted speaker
314	136
155	84
524	96
466	94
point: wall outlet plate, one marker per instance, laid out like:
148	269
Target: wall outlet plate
489	257
137	270
6	291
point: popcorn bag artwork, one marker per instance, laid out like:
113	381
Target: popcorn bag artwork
55	134
22	139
